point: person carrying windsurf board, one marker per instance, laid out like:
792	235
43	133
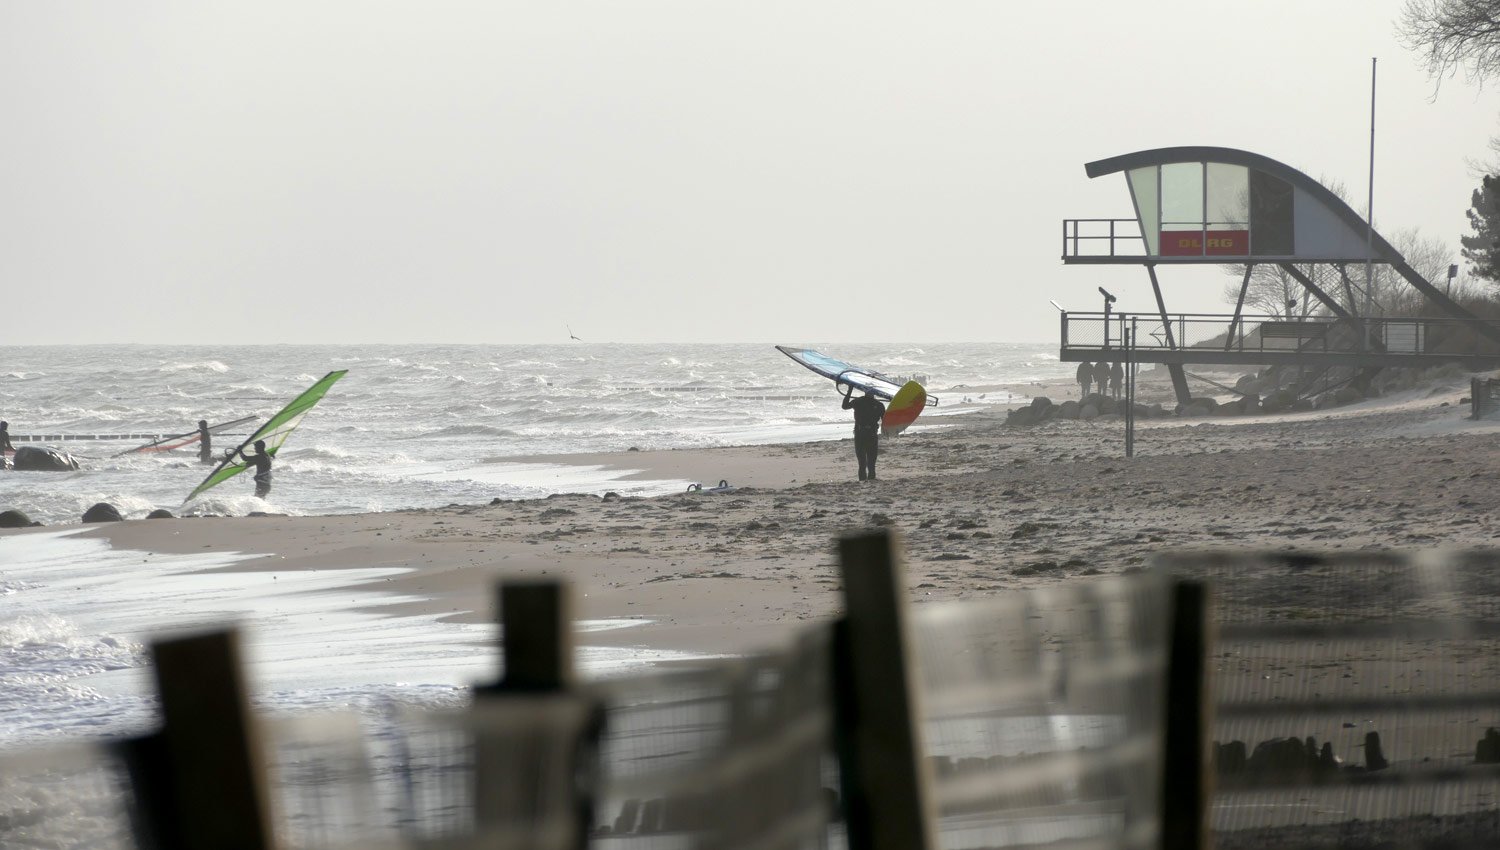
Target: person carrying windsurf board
867	414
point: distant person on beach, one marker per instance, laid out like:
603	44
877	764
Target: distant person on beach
1116	378
1085	376
1101	376
867	413
205	443
5	445
261	460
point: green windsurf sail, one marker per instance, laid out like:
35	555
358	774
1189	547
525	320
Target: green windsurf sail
274	432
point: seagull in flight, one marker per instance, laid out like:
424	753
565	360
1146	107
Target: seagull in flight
571	335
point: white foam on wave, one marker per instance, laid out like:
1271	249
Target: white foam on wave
204	366
71	636
531	480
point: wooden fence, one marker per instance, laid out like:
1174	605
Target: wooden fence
1075	715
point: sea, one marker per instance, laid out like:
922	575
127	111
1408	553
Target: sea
423	426
410	426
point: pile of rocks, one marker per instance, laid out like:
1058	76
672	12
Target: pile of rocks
1093	406
1282	760
101	512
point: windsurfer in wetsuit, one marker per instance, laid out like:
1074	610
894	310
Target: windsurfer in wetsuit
867	413
205	443
261	460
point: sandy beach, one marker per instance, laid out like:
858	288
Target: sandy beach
982	508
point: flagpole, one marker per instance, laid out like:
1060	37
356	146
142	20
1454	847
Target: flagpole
1370	204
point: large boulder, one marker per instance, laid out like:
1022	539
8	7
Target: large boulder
1088	412
1021	417
1068	410
15	519
1041	403
1199	406
1488	749
102	512
1282	759
163	513
1279	400
37	459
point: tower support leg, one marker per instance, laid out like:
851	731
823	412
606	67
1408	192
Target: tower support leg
1178	373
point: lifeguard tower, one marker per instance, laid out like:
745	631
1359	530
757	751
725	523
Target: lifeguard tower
1221	206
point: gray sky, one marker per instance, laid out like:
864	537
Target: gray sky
656	171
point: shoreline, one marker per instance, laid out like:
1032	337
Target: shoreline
981	507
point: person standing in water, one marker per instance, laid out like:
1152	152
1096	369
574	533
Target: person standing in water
867	413
261	460
205	443
5	445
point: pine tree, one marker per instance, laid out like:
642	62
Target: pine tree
1482	249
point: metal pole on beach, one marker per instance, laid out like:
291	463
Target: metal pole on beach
1369	220
1130	390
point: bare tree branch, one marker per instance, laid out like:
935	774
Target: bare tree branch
1451	35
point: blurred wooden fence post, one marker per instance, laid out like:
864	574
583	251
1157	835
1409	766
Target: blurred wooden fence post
537	647
1186	781
884	773
201	780
536	624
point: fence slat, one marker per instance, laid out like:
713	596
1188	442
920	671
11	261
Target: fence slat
536	636
887	796
538	671
208	752
1185	785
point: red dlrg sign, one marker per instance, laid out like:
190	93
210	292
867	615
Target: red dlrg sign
1190	243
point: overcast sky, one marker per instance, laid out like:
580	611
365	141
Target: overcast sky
193	172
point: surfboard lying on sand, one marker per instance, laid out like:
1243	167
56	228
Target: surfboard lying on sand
177	441
274	432
907	401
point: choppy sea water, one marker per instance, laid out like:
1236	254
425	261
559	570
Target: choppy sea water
410	426
424	426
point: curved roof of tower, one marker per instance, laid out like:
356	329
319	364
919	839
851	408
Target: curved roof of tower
1332	222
